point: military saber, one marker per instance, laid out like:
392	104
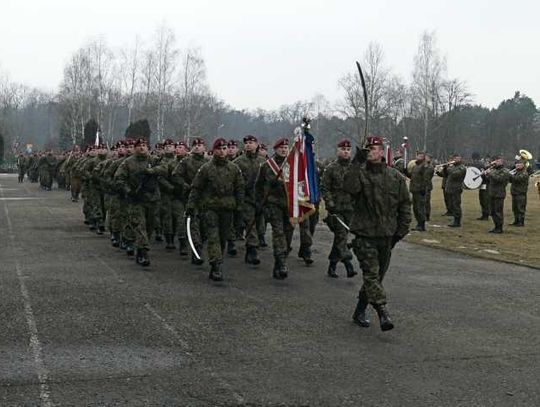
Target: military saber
190	239
342	223
363	81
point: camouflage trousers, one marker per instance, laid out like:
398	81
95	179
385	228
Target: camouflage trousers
483	198
496	206
419	206
179	223
373	254
282	230
45	178
158	219
168	221
117	214
248	221
140	223
428	205
454	200
95	202
340	249
217	225
76	185
519	205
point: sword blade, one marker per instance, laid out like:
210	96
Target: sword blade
342	223
190	239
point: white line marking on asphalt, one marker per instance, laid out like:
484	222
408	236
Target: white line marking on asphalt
35	345
104	264
239	399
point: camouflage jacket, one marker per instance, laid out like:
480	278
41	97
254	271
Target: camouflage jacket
381	201
420	178
334	192
183	175
136	180
269	186
249	164
455	177
218	185
498	179
520	183
165	168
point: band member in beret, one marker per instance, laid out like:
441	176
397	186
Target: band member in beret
498	178
338	204
271	196
520	185
216	193
381	218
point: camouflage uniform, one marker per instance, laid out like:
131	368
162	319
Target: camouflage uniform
165	168
136	181
249	164
182	178
498	179
382	215
483	197
47	167
338	203
22	166
94	197
420	179
430	173
117	209
520	185
216	193
453	189
275	209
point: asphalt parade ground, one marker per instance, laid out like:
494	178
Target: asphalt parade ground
82	325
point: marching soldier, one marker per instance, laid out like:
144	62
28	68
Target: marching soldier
455	174
232	150
94	198
165	168
399	162
381	218
420	178
47	168
249	164
338	204
137	182
182	177
498	178
520	185
271	196
430	173
216	193
179	200
22	166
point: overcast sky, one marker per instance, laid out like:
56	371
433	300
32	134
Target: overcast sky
265	54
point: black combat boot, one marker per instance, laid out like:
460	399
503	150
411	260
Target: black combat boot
516	221
216	272
93	225
182	246
142	257
456	224
194	259
169	238
100	230
351	272
280	271
305	254
115	239
231	248
521	221
158	237
497	229
251	256
262	241
130	249
420	227
384	317
332	269
360	316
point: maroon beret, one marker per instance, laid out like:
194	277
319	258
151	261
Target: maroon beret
197	140
374	141
281	142
232	143
140	141
250	137
168	142
344	143
181	143
220	142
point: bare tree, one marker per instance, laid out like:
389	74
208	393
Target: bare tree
428	79
130	66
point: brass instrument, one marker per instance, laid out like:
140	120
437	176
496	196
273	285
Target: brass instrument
525	156
439	167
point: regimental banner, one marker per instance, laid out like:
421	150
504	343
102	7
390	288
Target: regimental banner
302	182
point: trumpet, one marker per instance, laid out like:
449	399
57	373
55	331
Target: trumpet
438	167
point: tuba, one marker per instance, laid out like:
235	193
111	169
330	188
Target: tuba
523	155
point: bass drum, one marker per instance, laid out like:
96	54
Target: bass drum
473	178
